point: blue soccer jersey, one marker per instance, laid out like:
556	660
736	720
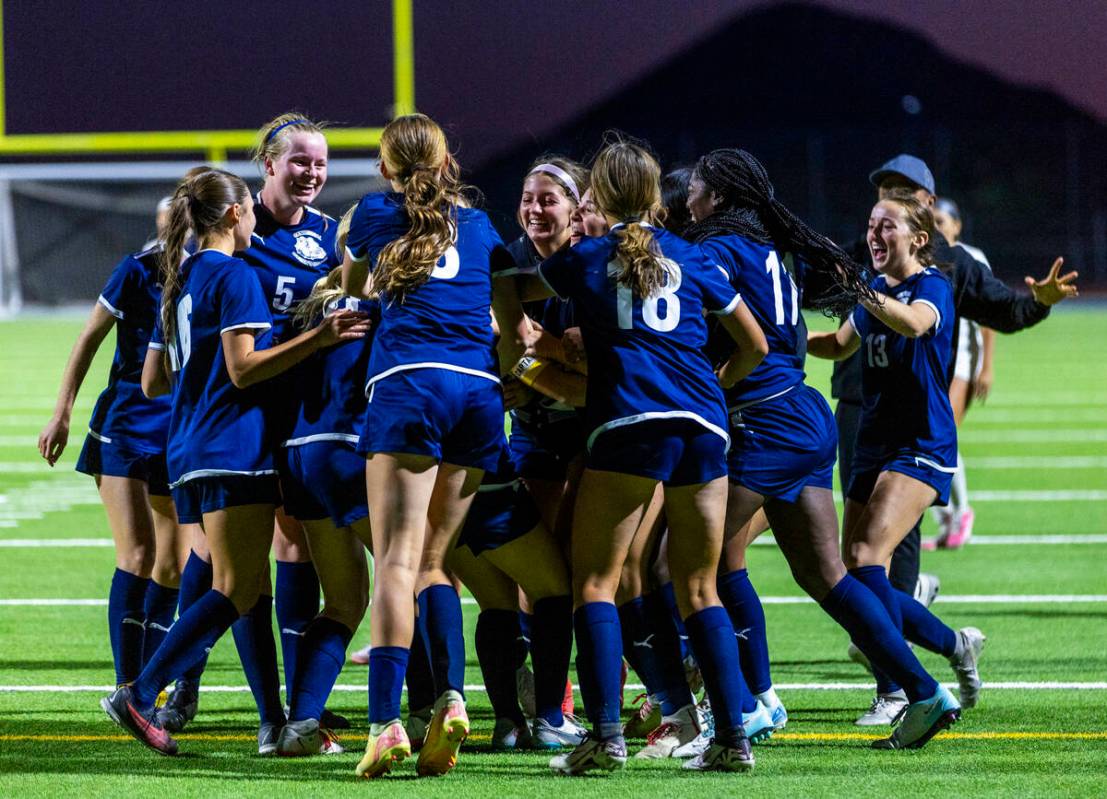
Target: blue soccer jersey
289	259
332	400
446	322
645	357
216	429
903	380
123	415
755	270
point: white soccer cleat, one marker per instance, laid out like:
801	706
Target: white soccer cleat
884	710
591	755
506	735
723	758
547	736
971	644
758	725
927	587
922	721
361	656
305	738
675	731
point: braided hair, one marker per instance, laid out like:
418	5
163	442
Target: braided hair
749	208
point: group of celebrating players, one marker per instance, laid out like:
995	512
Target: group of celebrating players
316	388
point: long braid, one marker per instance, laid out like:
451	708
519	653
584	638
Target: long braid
750	209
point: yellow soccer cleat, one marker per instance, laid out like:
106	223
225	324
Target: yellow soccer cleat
448	729
383	751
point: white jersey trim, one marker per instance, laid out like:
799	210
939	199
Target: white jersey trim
184	478
919	461
349	438
645	417
354	258
118	314
250	325
729	309
449	367
153	345
937	313
98	437
751	403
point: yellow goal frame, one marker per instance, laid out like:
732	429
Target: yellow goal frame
215	143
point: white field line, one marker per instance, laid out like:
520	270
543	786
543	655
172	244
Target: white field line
987	415
947	599
765	540
1043	463
782	686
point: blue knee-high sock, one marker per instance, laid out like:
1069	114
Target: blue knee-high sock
650	646
499	653
526	625
127	623
189	640
161	605
922	627
738	596
195	582
875	579
296	592
864	617
387	665
440	622
253	637
419	677
597	626
322	653
711	634
668	593
550	650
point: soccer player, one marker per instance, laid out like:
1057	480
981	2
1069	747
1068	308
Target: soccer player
434	423
219	462
655	415
907	441
973	373
125	452
292	247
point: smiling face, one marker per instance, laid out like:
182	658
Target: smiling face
544	211
587	220
701	200
892	243
298	174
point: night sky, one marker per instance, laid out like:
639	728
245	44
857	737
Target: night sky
495	72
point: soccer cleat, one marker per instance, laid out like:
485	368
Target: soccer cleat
675	731
645	719
777	713
361	656
524	687
592	755
305	738
884	710
961	530
383	751
922	721
927	587
971	643
506	735
547	736
723	758
759	726
268	734
858	657
163	697
416	726
143	726
448	729
180	708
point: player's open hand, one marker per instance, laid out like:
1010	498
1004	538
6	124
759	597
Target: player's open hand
1054	287
982	385
52	440
343	326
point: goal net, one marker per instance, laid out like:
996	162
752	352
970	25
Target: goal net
64	226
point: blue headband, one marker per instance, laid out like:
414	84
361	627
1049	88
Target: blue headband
283	125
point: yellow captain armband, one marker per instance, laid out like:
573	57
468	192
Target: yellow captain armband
528	368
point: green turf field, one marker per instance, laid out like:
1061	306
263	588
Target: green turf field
1034	580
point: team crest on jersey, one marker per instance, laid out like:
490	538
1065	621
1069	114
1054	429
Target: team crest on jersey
308	250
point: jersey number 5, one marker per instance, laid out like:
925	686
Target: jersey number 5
282	300
651	306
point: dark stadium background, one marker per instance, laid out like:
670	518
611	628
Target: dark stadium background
822	96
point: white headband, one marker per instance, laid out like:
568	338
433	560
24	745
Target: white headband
560	174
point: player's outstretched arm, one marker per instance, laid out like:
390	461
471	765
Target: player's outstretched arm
836	346
1054	287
